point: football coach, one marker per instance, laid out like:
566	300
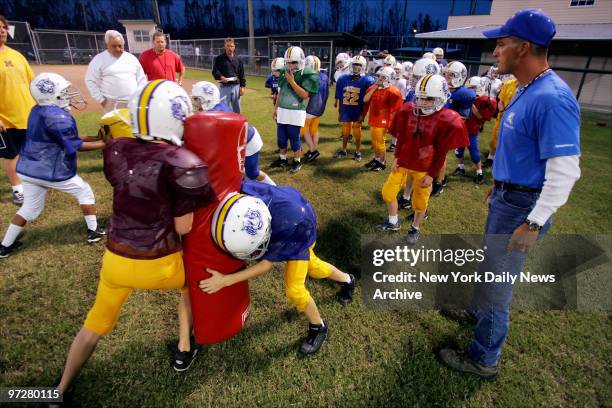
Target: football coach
534	172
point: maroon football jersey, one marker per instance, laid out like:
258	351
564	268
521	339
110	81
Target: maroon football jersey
152	183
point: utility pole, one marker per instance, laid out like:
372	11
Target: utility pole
251	35
156	17
84	15
307	16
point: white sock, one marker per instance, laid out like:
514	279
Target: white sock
348	278
393	219
92	222
491	156
461	166
406	197
478	171
416	228
11	235
18	188
268	180
297	159
283	156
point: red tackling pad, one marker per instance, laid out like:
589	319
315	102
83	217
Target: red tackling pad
219	139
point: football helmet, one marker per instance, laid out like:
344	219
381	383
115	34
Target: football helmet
242	226
360	63
386	75
407	69
455	73
431	93
429	55
158	110
438	52
399	70
204	96
423	67
295	54
313	62
475	84
49	89
277	64
492	72
342	61
389	61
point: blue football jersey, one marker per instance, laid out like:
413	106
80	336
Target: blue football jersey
294	223
272	83
318	101
350	91
461	101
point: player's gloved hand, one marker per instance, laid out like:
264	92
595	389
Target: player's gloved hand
213	284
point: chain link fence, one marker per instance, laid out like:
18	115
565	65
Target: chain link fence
67	47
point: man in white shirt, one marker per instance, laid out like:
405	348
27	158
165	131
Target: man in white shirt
113	75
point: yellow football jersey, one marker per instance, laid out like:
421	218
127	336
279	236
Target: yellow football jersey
116	123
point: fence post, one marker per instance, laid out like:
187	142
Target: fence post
69	50
584	74
34	45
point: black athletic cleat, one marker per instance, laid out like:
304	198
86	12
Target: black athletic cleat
295	166
357	156
404	203
67	396
458	172
413	235
460	361
479	179
184	359
345	294
445	181
340	154
5	252
387	226
317	334
279	163
436	189
310	156
95	236
391	148
487	163
378	166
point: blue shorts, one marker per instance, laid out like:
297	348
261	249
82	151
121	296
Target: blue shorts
286	133
251	166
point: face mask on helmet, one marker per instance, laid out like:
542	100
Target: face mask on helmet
204	96
431	93
49	89
294	59
158	110
455	74
342	61
241	226
385	77
358	66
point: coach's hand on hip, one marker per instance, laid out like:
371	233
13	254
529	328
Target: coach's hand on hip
523	239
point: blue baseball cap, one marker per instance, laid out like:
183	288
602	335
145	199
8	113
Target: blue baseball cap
529	24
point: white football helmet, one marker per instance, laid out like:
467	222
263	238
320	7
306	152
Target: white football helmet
295	54
358	61
423	67
407	69
438	52
342	61
386	76
204	96
389	61
242	226
431	93
475	84
158	110
399	70
429	55
313	63
277	64
48	89
455	73
492	72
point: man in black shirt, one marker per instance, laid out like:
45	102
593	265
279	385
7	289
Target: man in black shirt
229	71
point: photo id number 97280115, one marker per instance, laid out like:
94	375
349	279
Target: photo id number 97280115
30	394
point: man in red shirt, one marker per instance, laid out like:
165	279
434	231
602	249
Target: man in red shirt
425	132
160	63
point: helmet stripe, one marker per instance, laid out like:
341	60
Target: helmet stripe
143	106
424	82
221	220
289	52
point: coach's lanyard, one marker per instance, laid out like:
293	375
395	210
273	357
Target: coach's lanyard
524	89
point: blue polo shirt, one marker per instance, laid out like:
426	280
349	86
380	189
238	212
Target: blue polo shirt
541	121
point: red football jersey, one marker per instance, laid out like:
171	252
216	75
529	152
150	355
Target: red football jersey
383	105
424	141
486	107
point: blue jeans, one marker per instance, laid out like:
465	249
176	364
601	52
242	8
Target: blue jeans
507	211
231	93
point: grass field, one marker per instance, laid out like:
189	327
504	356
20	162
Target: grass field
372	358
